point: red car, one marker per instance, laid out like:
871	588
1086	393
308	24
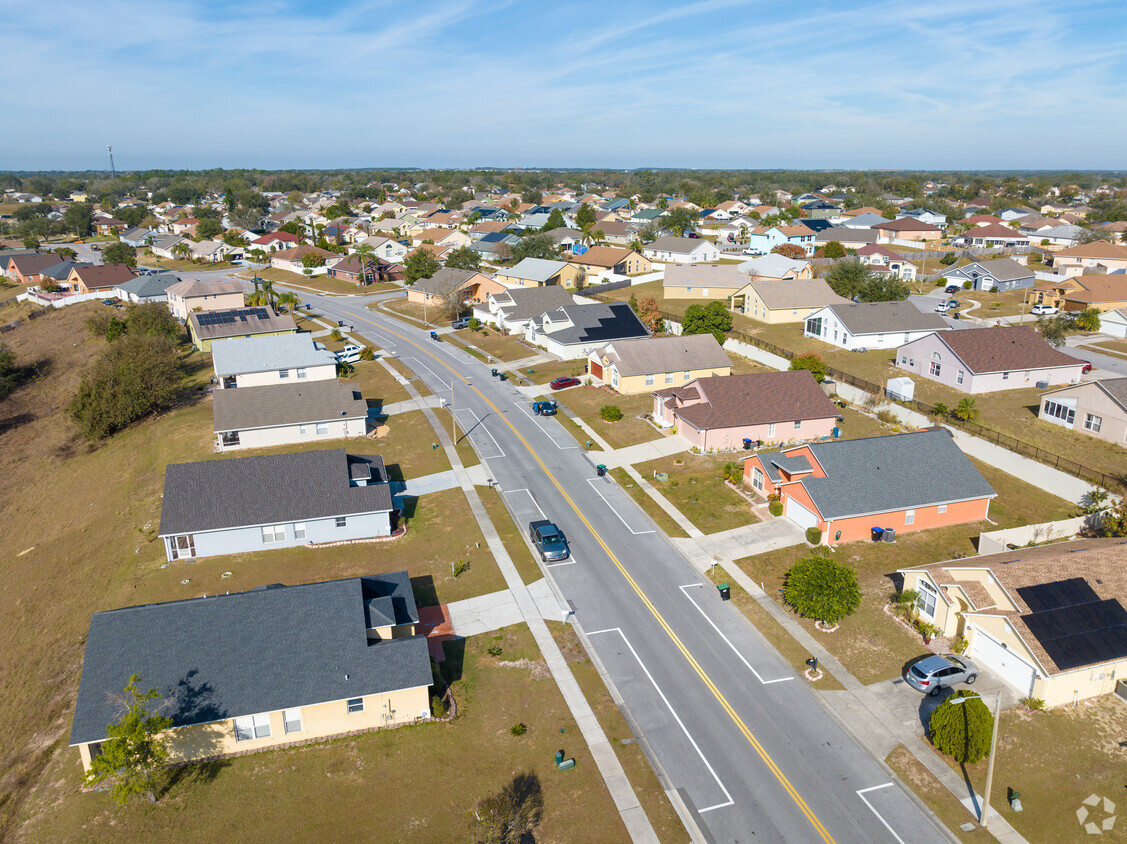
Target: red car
1086	368
564	383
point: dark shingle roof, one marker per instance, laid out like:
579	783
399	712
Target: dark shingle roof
444	282
271	648
304	402
147	286
1000	349
528	302
898	472
264	490
601	322
887	317
758	398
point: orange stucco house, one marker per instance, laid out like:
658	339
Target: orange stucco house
906	482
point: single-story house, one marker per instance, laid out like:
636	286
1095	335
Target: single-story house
611	260
863	221
776	267
355	269
924	215
849	238
539	272
470	285
1079	292
1049	620
994	234
875	255
163	245
777	302
982	360
146	288
240	504
768	407
1098	408
682	250
1090	258
572	332
1003	273
702	281
137	237
442	237
906	229
644	365
204	327
194	294
906	482
271	359
28	269
1114	323
87	278
262	668
868	325
275	242
495	245
291	259
513	309
280	414
214	251
1058	237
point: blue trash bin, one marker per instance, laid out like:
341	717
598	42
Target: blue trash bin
878	534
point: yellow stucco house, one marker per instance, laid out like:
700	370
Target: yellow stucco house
254	670
1048	620
653	363
204	327
776	302
702	282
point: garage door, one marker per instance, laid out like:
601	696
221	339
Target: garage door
597	369
800	515
992	654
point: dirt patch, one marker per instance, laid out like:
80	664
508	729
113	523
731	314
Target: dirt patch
537	667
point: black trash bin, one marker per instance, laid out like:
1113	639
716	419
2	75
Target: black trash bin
725	591
601	469
493	372
878	534
747	443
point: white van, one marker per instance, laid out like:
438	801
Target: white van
349	354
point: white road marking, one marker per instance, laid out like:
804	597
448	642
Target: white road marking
592	482
676	717
529	494
418	362
887	826
570	561
478	425
758	676
524	406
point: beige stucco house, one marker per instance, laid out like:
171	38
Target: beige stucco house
1090	258
791	300
193	294
651	363
1048	620
702	282
349	660
540	272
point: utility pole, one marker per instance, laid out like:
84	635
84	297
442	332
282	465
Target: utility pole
109	150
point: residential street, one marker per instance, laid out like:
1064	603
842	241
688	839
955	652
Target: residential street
742	739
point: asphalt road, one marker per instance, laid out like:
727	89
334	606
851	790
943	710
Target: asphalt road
743	739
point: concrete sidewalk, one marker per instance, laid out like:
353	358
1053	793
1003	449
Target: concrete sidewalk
643	452
485	613
405	406
414	487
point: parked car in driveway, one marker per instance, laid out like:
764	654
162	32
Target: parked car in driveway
349	354
564	383
949	305
954	288
934	673
1044	310
464	322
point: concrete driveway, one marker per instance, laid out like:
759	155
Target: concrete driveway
913	709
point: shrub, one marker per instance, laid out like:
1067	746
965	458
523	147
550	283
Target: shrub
1033	703
817	587
941	409
812	362
438	707
461	567
610	413
960	644
962	731
474	324
367	353
344	369
904	604
949	258
994	289
887	417
493	650
813	535
518	730
336	335
966	285
775	508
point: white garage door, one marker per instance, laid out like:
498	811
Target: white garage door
992	654
800	515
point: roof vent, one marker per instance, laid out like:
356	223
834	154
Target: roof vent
345	676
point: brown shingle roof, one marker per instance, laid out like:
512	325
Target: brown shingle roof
997	231
198	287
601	256
1096	289
755	399
103	277
1003	349
1096	249
296	253
907	224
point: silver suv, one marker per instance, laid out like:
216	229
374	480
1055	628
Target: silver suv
931	674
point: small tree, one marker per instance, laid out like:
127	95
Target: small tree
463	258
817	587
1115	519
966	410
312	259
555	221
847	278
132	378
713	318
135	751
962	731
680	221
209	228
511	815
120	253
791	250
812	362
419	264
1053	329
650	315
833	249
1088	319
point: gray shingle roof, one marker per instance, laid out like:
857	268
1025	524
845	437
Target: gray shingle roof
898	472
1003	269
271	648
528	302
674	353
264	490
444	282
149	286
677	245
720	276
305	402
887	317
536	269
241	355
601	322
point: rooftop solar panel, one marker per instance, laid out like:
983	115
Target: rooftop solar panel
1083	634
1059	593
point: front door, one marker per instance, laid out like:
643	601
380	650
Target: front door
183	547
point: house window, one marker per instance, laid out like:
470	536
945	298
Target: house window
1005	376
1092	423
301	430
757	478
942	508
688	290
903	359
252	727
770	429
292	720
649	380
925	598
704	292
798	424
342	521
355	705
1065	414
668	377
813	326
614	377
301	372
959	377
299	530
283	373
322	429
909	517
933	368
274	533
907	336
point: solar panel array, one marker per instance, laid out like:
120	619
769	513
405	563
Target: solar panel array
1073	625
231	317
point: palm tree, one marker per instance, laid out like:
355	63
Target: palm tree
182	250
288	299
365	252
965	410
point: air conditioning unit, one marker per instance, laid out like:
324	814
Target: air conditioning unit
1121	689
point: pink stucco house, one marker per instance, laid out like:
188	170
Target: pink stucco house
983	360
720	412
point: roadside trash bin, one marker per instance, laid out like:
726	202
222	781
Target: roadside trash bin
725	591
1015	801
503	377
889	535
601	469
955	315
878	534
493	372
559	756
747	444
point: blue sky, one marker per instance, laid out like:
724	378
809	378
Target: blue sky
972	84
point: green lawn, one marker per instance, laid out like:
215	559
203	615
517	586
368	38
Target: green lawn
696	488
869	644
512	536
586	402
375	383
411	784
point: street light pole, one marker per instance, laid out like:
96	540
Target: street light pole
984	815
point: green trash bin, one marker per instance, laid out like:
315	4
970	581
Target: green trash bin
601	469
725	591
